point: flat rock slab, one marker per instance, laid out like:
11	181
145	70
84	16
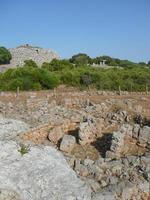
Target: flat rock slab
40	174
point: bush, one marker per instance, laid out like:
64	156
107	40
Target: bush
5	56
28	78
86	79
36	86
48	80
61	72
30	63
57	65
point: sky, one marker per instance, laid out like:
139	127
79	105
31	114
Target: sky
118	28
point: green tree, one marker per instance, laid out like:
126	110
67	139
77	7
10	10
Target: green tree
30	63
80	59
5	56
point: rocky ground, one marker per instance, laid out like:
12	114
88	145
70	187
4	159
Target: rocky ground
71	145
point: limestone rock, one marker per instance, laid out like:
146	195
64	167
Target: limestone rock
60	129
40	174
67	143
88	132
8	195
56	134
128	141
144	136
10	128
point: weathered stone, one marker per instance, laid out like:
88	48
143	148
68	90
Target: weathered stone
104	196
26	52
88	132
6	194
144	136
10	128
136	129
88	162
124	142
95	186
41	173
67	143
56	134
81	169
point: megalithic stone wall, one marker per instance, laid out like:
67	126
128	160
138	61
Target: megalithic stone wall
37	54
27	52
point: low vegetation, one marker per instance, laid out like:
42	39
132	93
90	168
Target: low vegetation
78	72
24	149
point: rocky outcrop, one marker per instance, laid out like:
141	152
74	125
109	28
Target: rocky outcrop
42	174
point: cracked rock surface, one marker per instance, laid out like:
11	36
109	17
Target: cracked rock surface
40	174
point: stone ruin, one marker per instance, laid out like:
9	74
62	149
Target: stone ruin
27	52
77	146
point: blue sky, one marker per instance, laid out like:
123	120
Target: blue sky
119	28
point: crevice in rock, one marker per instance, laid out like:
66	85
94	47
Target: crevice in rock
103	144
75	133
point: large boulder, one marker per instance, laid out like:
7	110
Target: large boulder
10	128
40	173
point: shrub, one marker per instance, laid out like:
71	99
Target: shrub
30	63
86	79
48	80
36	86
57	65
5	56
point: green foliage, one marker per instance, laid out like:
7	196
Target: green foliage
86	79
57	65
80	59
131	77
23	149
36	86
30	63
28	78
48	80
5	56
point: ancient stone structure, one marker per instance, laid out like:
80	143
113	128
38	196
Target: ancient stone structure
27	52
96	133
